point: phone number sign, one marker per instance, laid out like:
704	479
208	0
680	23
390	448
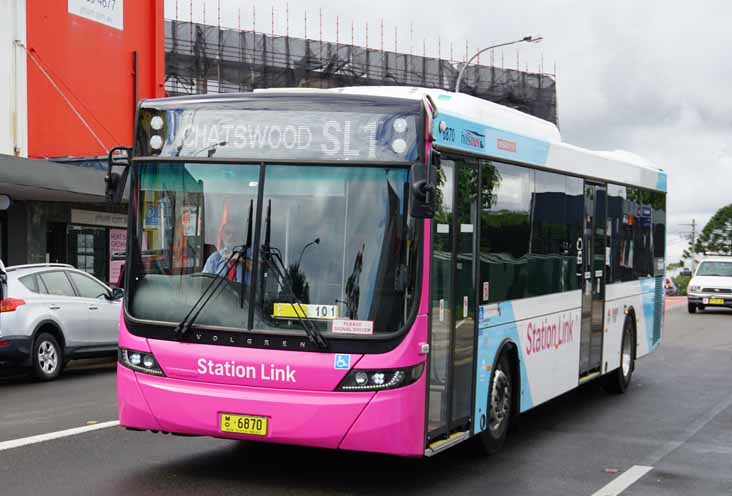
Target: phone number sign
107	12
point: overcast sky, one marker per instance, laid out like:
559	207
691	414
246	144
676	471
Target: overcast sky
648	76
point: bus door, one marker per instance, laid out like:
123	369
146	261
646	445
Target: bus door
453	290
594	243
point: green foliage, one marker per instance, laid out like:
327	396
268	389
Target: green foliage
682	282
645	197
716	237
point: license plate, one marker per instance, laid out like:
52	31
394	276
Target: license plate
716	301
291	311
244	424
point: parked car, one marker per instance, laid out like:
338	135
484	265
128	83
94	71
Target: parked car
669	286
53	313
711	285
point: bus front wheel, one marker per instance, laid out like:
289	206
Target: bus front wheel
500	405
618	381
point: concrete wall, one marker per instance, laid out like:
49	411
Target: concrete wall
13	81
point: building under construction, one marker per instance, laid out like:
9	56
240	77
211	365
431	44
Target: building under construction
208	59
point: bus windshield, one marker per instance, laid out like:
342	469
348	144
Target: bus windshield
332	242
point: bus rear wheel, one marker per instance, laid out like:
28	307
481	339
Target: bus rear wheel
500	407
618	381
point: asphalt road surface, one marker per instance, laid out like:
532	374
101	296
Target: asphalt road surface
670	434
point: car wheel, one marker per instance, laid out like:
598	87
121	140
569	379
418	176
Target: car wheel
692	307
619	380
47	357
500	407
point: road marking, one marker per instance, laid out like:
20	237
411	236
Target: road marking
24	441
623	481
690	431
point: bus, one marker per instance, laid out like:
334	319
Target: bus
379	269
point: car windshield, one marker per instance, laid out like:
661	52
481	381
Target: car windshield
334	242
721	269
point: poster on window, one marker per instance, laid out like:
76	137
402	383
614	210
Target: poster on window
117	252
189	219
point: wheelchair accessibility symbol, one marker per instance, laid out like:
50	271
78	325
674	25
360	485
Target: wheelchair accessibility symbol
342	362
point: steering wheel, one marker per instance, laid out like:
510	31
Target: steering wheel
232	286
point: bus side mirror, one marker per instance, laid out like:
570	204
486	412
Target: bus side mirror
119	156
422	201
424	179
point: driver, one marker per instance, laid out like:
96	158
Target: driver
217	260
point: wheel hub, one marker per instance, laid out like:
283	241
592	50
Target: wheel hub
500	406
47	357
626	358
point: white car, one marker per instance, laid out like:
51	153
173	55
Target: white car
711	285
52	313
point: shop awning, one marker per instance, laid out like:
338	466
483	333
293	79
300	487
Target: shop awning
29	179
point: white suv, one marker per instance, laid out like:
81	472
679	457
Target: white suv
52	313
711	285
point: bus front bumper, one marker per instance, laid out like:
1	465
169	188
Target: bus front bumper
385	422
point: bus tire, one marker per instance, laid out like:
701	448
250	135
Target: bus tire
500	407
617	381
692	307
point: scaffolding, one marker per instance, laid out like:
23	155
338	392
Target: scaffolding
200	58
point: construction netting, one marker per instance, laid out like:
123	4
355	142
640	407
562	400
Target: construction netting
207	59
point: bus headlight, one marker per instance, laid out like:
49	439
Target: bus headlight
694	289
140	361
378	380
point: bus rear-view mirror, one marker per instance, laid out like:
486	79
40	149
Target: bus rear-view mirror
118	168
422	201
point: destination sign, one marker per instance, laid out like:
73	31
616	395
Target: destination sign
284	135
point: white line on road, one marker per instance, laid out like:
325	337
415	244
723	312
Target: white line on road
689	432
24	441
623	481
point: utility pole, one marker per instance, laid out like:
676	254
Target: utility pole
692	239
693	244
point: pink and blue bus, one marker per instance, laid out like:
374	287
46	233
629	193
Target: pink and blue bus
379	269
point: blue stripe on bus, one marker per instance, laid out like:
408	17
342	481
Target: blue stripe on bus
477	138
661	182
648	300
502	327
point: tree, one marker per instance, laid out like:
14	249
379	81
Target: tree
716	237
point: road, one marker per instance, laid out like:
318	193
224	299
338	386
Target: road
676	418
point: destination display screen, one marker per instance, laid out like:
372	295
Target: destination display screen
356	133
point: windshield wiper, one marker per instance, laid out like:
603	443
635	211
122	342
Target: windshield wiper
273	257
185	325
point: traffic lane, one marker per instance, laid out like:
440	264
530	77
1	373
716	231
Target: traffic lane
571	445
709	329
114	461
563	447
547	455
702	463
85	392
